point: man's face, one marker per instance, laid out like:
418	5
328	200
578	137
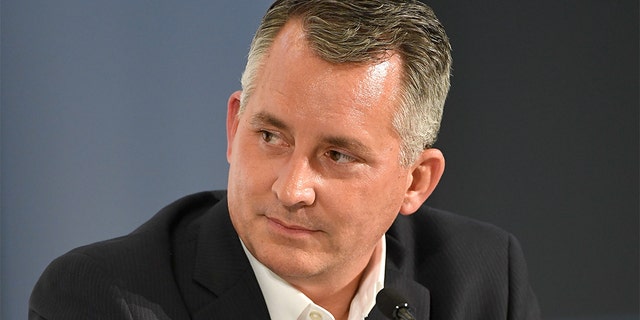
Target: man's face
315	177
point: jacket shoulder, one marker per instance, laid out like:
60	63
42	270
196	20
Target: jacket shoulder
73	286
117	278
466	264
431	231
154	234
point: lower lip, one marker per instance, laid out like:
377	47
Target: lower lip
291	232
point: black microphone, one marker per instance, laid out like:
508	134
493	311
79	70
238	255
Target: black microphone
393	305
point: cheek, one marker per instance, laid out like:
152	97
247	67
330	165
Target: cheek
381	199
367	206
386	190
248	170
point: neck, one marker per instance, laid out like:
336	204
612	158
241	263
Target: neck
335	290
335	299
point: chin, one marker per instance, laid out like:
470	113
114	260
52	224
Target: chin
291	263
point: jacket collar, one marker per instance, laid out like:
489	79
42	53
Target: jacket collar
222	267
399	268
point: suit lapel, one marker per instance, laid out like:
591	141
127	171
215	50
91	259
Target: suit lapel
222	268
398	274
417	295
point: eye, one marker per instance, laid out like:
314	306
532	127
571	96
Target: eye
267	136
271	138
340	157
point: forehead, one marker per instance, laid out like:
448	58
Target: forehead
291	68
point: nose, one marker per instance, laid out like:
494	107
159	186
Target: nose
295	185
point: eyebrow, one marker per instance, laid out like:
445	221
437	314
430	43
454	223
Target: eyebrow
265	118
349	144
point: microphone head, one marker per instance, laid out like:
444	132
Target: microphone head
389	302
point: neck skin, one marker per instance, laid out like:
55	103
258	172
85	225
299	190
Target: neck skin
334	298
335	291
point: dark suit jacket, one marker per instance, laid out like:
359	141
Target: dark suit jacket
187	263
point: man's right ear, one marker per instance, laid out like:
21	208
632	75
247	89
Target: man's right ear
233	106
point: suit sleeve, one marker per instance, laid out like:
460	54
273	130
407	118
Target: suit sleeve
523	304
75	286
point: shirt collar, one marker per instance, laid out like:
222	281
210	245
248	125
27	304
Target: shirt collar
286	302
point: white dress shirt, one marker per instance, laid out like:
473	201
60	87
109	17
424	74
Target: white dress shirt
286	302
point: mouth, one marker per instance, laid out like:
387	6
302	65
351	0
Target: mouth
289	229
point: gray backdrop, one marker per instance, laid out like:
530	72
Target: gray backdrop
112	109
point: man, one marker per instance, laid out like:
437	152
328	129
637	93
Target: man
329	145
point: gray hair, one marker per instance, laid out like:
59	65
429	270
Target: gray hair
366	31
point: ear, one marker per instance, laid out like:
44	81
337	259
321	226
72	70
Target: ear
425	175
233	106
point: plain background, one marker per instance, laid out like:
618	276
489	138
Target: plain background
112	109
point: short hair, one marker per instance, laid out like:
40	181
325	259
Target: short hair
367	31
